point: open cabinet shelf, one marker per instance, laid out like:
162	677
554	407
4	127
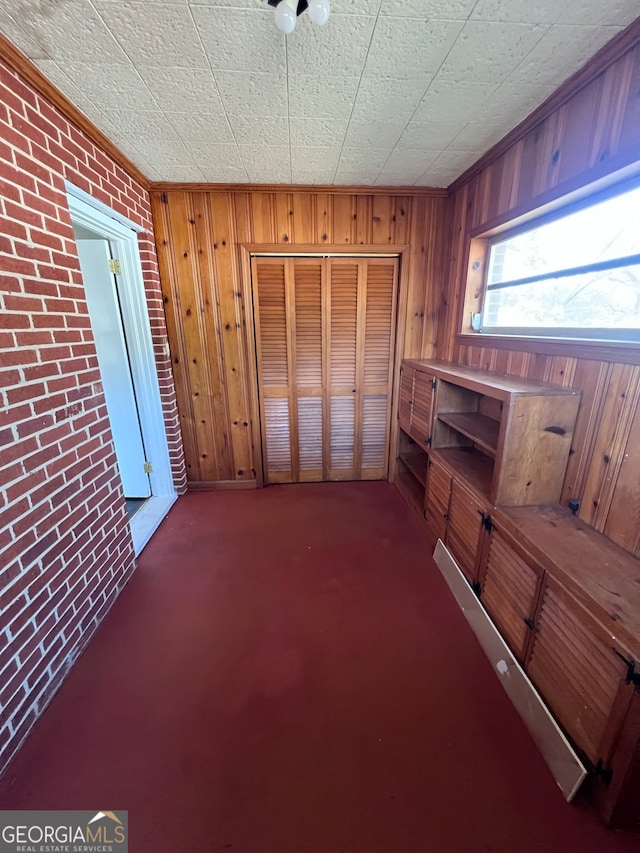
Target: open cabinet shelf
412	470
480	429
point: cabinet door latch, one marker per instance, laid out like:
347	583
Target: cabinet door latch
602	772
487	523
633	676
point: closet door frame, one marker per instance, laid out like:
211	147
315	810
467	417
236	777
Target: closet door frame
247	252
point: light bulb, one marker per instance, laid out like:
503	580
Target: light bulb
286	15
319	11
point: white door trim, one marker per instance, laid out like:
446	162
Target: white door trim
100	219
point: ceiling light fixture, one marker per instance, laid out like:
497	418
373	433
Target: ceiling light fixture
288	10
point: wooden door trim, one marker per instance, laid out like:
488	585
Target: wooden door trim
246	253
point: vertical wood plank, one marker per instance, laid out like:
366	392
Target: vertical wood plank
304	211
233	333
343	219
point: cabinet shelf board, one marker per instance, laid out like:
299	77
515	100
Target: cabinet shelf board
411	488
474	467
416	462
483	431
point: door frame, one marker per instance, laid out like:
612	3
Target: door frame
247	251
122	234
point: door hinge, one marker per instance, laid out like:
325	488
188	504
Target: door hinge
530	624
633	676
487	523
148	468
427	441
604	773
433	384
114	266
475	586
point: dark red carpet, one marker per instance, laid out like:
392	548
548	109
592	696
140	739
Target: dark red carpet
287	673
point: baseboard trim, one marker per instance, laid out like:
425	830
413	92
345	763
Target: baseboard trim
220	485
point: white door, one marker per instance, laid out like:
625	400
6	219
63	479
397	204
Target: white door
113	360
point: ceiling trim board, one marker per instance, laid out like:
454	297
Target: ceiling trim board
612	51
328	189
22	65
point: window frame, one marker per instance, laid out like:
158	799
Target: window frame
592	342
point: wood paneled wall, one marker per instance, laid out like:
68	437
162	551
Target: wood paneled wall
594	130
206	294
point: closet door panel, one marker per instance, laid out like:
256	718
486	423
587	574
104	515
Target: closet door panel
325	334
272	347
378	298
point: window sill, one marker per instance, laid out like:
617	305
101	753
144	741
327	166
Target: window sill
615	351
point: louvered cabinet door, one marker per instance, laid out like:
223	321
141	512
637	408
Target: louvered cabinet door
437	497
343	340
273	348
573	665
465	527
510	587
307	357
407	375
422	408
377	293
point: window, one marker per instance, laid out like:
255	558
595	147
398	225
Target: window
575	276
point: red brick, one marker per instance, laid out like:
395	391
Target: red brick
39	371
22	213
13	321
34	425
12	229
25	392
32	338
34	253
54	273
18	265
36	202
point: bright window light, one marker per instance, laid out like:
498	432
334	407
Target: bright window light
575	276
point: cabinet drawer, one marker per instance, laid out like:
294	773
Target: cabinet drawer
573	665
510	589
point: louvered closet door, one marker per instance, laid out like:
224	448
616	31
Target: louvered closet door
325	339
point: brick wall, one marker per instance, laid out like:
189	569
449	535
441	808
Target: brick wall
65	544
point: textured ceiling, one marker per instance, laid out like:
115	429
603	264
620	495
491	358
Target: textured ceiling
389	92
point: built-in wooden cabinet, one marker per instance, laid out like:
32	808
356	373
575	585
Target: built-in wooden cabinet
482	458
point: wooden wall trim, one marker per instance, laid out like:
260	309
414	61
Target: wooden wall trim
22	65
606	56
326	249
329	189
